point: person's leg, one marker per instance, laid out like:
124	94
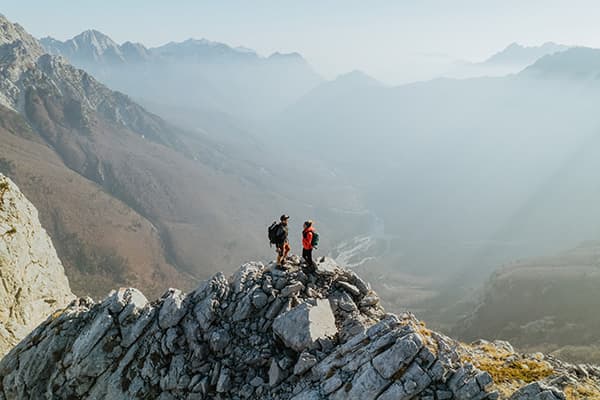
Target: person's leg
310	261
279	254
305	255
286	250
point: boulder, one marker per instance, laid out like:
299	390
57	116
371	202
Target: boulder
300	327
538	391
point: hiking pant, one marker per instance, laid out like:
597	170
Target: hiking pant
307	255
282	252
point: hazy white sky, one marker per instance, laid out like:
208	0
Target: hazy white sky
394	41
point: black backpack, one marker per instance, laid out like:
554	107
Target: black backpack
276	233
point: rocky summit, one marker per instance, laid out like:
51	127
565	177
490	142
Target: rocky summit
263	333
33	281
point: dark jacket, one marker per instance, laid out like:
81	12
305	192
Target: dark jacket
284	228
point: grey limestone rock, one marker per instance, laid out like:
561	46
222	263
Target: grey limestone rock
33	282
538	391
306	361
240	338
172	310
300	327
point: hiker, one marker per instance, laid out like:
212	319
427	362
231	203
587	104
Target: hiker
278	235
310	240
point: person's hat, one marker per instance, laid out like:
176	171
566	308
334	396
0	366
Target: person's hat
284	217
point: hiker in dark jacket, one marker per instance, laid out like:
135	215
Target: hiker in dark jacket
307	245
283	244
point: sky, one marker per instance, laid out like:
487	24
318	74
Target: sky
393	41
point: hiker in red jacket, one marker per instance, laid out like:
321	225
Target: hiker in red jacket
308	243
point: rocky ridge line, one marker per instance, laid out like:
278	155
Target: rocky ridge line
270	334
262	333
32	279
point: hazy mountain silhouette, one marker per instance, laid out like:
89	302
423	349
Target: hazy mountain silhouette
511	60
464	173
198	74
516	54
575	63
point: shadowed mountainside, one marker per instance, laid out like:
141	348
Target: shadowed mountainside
546	303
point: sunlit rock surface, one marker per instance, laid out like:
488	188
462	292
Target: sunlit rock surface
33	281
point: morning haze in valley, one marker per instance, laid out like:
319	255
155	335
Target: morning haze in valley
300	200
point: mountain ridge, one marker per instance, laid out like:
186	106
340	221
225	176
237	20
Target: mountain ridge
516	53
575	63
271	334
198	72
102	43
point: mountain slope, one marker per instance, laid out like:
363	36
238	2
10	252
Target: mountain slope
33	281
101	240
546	302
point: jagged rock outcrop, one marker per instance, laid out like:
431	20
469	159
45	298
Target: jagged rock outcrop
33	281
270	334
262	333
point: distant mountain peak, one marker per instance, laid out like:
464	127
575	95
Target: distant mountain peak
201	41
93	33
14	36
95	39
358	77
516	53
286	55
574	63
293	57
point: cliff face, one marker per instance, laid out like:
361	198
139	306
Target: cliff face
33	282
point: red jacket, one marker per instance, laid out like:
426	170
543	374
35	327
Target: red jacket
307	236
